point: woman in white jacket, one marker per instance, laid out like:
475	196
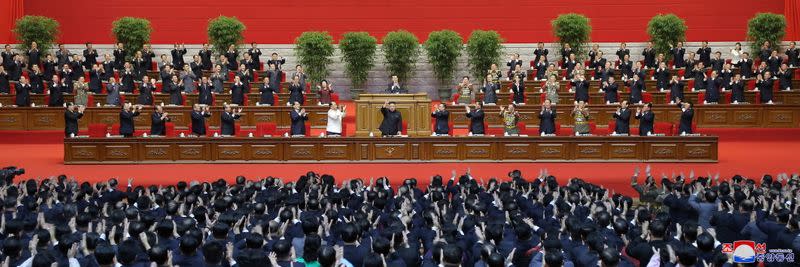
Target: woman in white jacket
736	54
335	115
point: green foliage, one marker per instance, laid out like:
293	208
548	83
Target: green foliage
40	29
483	49
401	50
443	49
225	31
766	27
358	54
314	51
665	31
132	32
572	29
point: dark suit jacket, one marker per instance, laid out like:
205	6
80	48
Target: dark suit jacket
685	124
547	121
199	122
158	126
442	118
298	123
71	122
646	121
623	121
476	121
228	126
126	126
392	122
391	89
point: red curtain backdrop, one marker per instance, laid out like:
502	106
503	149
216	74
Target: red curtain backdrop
10	11
792	13
519	21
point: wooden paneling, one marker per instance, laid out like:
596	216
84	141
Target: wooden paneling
423	149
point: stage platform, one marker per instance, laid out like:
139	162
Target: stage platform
160	150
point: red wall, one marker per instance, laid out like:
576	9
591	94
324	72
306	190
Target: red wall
519	21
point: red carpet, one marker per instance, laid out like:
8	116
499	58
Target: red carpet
749	152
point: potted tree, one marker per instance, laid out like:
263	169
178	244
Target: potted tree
225	31
443	49
483	50
401	50
40	29
314	51
666	31
132	32
358	54
766	27
572	29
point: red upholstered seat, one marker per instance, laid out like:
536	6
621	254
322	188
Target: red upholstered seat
90	100
121	99
558	128
153	66
456	96
542	97
344	129
700	97
663	128
308	129
230	76
758	98
334	97
776	86
237	129
681	72
159	87
592	127
169	128
405	128
266	128
115	129
275	99
689	84
611	126
728	97
647	97
13	89
533	63
98	130
255	76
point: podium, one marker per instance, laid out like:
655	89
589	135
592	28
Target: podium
415	108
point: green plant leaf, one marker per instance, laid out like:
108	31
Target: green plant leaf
766	27
40	29
358	54
665	31
483	50
443	49
572	29
132	32
314	51
225	31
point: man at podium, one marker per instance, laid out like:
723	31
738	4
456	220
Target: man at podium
394	87
392	123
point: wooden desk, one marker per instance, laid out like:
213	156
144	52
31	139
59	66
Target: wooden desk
365	150
46	118
706	116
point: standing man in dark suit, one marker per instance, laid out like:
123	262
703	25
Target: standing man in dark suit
392	123
126	124
255	55
442	118
677	55
636	87
646	119
476	118
705	53
71	117
204	95
746	66
229	118
547	118
199	116
196	66
8	57
512	63
540	52
394	86
177	56
581	88
35	55
278	61
649	56
623	51
299	117
713	85
119	56
62	55
89	56
205	57
159	119
687	115
623	119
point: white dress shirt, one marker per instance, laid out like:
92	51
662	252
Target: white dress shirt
335	121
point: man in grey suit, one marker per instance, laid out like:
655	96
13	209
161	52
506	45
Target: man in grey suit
706	208
113	88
